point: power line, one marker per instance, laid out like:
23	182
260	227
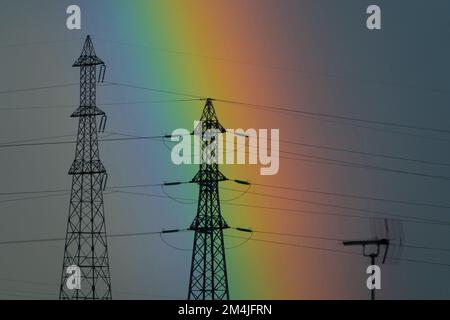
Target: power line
322	213
360	165
51	138
290	110
38	139
329	161
353	164
407	218
54	195
120	235
102	104
17	193
108	134
350	164
31	241
324	204
274	67
281	151
425	248
18	108
33	192
383	130
297	235
405	245
35	197
234	61
376	212
253	231
357	165
333	116
16	145
39	88
265	107
161	296
312	114
317	117
242	243
33	43
372	128
296	245
246	239
230	236
372	154
147	194
420	204
297	212
333	162
126	85
337	250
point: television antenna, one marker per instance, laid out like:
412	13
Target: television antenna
387	240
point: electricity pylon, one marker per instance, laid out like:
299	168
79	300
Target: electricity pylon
86	245
208	278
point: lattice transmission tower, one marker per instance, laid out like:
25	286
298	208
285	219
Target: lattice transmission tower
86	243
208	278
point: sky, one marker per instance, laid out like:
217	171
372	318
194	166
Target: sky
312	57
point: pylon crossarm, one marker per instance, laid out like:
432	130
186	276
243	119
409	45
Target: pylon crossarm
174	230
241	182
193	133
247	230
208	229
177	183
170	136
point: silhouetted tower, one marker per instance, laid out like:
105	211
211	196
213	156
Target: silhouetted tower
86	245
208	279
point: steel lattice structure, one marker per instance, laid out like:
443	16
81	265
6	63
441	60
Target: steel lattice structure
86	243
208	278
